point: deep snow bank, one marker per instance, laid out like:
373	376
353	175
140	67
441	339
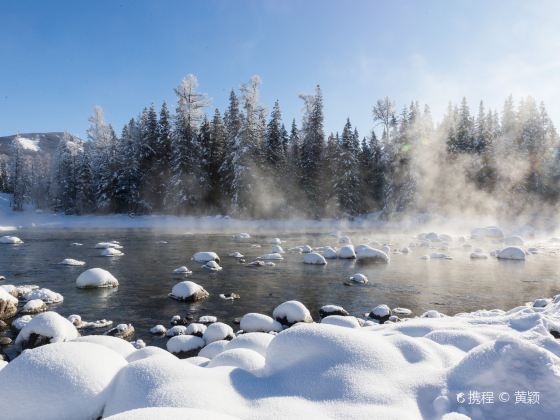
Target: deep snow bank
419	368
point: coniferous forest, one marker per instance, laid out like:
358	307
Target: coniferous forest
246	161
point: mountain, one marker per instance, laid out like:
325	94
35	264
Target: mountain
43	143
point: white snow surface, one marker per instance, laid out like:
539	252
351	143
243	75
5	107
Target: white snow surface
346	252
511	253
96	277
217	331
5	296
11	240
184	343
29	144
71	261
314	258
255	322
292	311
46	295
366	253
205	256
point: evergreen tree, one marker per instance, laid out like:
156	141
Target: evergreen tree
85	194
348	181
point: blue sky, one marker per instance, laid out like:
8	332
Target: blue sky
60	58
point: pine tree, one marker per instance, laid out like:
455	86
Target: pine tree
85	194
146	157
275	148
312	147
19	176
232	122
64	177
162	158
347	183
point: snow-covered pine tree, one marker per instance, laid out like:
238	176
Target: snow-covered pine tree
162	158
19	175
129	175
213	138
146	157
63	193
232	125
274	146
85	193
312	145
348	177
187	181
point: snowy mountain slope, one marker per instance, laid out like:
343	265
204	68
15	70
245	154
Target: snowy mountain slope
35	142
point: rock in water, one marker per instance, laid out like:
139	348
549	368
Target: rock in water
380	313
8	305
291	312
45	328
96	277
511	253
124	331
314	258
332	310
188	291
205	256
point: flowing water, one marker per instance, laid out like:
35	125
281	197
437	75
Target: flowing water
145	276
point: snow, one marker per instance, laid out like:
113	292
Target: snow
207	319
290	312
314	258
306	249
256	341
184	343
217	331
380	312
327	310
21	322
12	240
366	253
236	254
514	240
241	358
439	256
7	297
341	321
96	277
178	413
149	351
46	295
29	144
50	325
346	252
271	257
176	330
344	240
476	255
70	261
254	322
111	252
188	291
196	329
511	253
205	256
275	241
242	236
277	249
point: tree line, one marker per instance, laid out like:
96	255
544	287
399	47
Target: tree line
246	162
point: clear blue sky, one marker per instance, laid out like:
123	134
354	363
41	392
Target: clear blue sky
60	58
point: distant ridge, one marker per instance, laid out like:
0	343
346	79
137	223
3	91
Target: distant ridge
35	142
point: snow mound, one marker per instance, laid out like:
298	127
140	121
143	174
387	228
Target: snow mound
514	240
149	351
213	349
205	256
118	345
184	344
277	249
34	306
11	240
478	256
21	322
6	296
241	236
96	277
196	329
346	252
327	310
63	380
290	312
188	291
366	253
329	253
359	278
255	341
217	331
212	266
271	257
511	253
48	327
176	330
341	321
71	261
254	322
240	358
46	295
314	258
158	329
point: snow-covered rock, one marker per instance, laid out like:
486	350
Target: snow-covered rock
182	271
205	256
346	252
256	341
48	327
329	253
34	306
477	255
184	344
96	277
148	351
254	322
241	236
158	330
58	381
212	266
290	312
8	304
196	328
439	256
380	313
111	252
511	253
46	295
368	254
105	245
236	254
277	249
207	319
176	330
124	331
275	241
306	249
21	322
118	345
10	240
217	331
327	310
71	261
344	240
314	258
213	349
271	257
359	278
188	291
